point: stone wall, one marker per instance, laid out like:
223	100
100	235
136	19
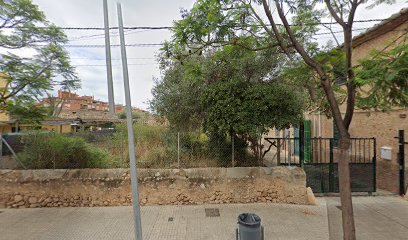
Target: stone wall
111	187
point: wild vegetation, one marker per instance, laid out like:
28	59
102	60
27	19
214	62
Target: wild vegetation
55	151
157	147
227	92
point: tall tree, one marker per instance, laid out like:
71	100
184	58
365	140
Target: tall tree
217	22
32	59
228	90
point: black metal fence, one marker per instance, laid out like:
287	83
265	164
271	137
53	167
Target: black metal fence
316	156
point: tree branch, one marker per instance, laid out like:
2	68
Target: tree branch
16	91
348	47
324	80
338	19
274	27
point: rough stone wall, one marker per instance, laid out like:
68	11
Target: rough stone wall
111	187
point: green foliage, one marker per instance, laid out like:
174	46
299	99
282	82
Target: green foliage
251	108
229	90
135	115
156	147
301	75
50	150
26	111
216	24
48	66
177	96
382	78
184	95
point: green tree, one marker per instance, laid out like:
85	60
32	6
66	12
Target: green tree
25	110
24	28
249	110
229	90
222	22
177	96
385	73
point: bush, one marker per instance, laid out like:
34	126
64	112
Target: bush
51	150
156	147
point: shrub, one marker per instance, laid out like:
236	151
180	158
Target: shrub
51	150
156	147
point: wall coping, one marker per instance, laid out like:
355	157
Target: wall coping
290	174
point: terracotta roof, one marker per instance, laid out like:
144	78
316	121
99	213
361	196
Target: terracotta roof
381	28
88	115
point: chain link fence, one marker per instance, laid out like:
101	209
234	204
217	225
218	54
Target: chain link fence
159	147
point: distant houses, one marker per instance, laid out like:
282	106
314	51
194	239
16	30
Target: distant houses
70	113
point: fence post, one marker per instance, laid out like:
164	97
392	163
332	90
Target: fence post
233	150
1	146
375	165
178	149
289	147
331	167
301	145
122	149
401	156
278	150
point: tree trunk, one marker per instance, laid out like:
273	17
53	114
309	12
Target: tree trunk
343	158
342	154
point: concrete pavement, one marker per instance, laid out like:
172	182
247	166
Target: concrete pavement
281	221
379	217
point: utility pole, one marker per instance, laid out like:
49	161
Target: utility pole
111	96
131	136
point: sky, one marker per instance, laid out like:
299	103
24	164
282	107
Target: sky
90	62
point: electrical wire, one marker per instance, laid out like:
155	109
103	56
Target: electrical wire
113	59
162	44
168	27
114	65
114	45
102	35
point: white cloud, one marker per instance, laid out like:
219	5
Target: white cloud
79	13
89	13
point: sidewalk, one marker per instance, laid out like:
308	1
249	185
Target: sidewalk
281	221
377	217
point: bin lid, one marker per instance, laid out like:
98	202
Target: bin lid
249	219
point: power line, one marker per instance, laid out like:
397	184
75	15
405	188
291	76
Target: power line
168	27
114	65
114	59
162	44
102	35
114	45
356	29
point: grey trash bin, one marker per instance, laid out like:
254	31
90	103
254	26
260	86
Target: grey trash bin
249	227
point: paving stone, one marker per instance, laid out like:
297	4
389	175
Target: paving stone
376	218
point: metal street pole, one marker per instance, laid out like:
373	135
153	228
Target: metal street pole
131	137
111	96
